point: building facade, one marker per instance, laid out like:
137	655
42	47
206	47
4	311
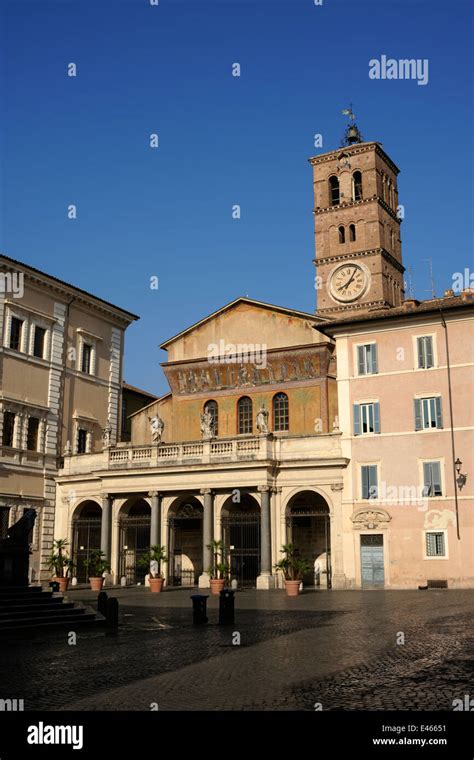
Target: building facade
337	431
61	359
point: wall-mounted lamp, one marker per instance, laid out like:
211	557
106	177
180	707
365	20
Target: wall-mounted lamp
461	478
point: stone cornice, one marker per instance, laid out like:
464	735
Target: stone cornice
353	204
355	150
360	254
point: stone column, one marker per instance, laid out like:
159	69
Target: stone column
337	529
265	580
155	524
207	536
105	525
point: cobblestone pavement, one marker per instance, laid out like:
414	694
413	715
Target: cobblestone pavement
335	649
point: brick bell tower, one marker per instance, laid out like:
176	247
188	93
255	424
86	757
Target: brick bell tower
357	229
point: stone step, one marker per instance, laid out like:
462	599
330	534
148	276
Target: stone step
67	619
37	600
30	611
17	590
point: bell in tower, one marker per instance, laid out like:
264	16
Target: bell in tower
357	230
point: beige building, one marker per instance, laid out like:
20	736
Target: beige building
61	360
339	432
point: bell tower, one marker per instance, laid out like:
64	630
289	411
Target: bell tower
357	228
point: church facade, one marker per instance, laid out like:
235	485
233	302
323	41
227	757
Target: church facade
337	431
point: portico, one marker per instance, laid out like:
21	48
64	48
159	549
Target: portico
128	498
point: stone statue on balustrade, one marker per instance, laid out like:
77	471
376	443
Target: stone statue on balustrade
107	435
207	425
262	421
157	427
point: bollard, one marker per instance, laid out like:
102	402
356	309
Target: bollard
111	613
54	586
199	609
226	607
102	603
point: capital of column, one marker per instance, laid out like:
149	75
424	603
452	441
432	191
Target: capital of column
206	491
151	494
107	497
264	489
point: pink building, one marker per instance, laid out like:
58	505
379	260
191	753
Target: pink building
406	412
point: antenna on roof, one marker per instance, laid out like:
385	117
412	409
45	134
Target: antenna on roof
432	282
410	293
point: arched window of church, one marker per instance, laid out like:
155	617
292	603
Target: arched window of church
352	232
392	239
384	188
244	415
281	420
334	191
342	234
213	409
390	195
357	186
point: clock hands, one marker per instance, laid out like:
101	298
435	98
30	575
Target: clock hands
346	285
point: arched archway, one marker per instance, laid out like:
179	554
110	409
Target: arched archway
134	531
240	523
308	529
86	522
185	538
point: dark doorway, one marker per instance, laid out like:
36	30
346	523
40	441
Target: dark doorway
308	529
86	537
241	538
134	526
185	543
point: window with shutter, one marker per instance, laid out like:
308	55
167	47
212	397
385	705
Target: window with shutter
432	479
369	481
425	352
367	359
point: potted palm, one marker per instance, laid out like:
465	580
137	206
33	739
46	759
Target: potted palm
97	565
59	563
219	570
152	559
293	569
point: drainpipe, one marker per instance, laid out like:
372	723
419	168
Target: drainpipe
450	395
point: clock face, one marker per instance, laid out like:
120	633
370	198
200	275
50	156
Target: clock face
348	282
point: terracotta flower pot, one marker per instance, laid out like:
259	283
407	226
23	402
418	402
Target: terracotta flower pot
292	588
156	585
63	583
217	586
96	583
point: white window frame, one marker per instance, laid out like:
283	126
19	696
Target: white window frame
84	337
366	407
429	418
434	346
47	339
446	546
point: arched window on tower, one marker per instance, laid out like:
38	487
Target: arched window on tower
244	415
280	412
384	187
342	234
352	232
357	186
334	191
213	409
392	240
390	194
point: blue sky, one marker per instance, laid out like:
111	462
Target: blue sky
223	140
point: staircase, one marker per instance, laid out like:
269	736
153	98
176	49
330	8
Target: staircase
29	608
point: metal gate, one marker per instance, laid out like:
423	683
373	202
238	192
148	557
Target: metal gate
134	543
86	539
372	561
185	539
241	532
4	516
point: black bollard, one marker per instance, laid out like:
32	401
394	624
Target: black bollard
102	603
226	607
54	586
111	613
199	609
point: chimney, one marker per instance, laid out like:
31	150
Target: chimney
449	293
410	304
467	294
